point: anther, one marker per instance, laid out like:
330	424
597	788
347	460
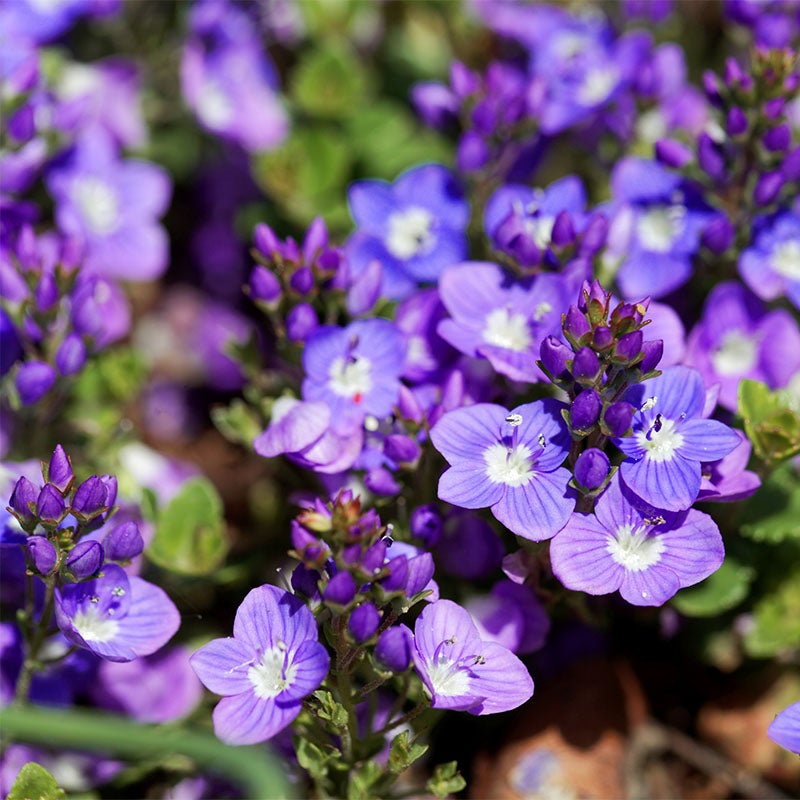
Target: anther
649	403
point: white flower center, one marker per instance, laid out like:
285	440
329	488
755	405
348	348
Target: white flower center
272	674
350	377
410	233
94	626
213	106
506	465
651	126
504	329
540	229
661	440
448	677
98	203
635	549
737	354
786	260
657	228
597	86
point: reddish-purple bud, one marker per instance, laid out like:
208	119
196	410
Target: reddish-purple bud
409	406
264	285
463	80
266	241
400	448
733	74
790	169
301	322
50	506
591	469
586	366
123	542
84	560
673	153
594	235
778	139
736	123
420	572
602	337
555	354
364	622
315	241
394	647
381	482
711	87
302	281
397	578
709	157
46	292
653	350
563	229
90	498
41	554
575	325
617	418
718	235
374	557
768	187
23	499
59	471
34	380
585	410
774	108
341	589
629	346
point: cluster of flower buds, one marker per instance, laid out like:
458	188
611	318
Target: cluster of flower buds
58	520
754	146
54	316
607	353
288	277
351	564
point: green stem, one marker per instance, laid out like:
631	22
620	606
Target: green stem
33	646
257	771
407	717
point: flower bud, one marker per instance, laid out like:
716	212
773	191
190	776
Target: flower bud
602	338
59	471
767	188
380	481
673	153
266	241
123	542
426	524
41	554
591	469
653	350
563	229
341	589
718	235
397	578
365	290
401	448
778	139
409	406
302	281
586	365
34	380
629	346
594	235
709	157
576	326
23	500
305	582
790	169
84	560
736	123
264	285
71	355
420	572
585	410
774	108
364	622
314	242
301	322
50	506
555	354
374	558
394	647
90	499
46	292
617	418
110	482
472	152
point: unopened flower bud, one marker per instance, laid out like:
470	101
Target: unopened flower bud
123	542
266	241
59	471
594	235
381	482
264	285
302	281
71	355
305	582
341	589
394	647
673	153
767	188
301	322
778	139
34	380
718	235
41	553
420	572
364	622
709	157
46	293
576	326
591	468
585	410
315	241
23	501
472	152
790	169
90	498
555	354
400	448
653	350
602	338
84	560
629	346
50	506
586	365
426	524
374	558
409	406
563	229
774	108
397	578
736	123
617	418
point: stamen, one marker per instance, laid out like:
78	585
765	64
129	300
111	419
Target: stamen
542	441
284	580
649	403
658	520
514	420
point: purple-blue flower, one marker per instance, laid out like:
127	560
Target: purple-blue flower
354	370
671	439
771	266
264	671
461	671
504	321
785	728
415	227
510	462
645	554
116	616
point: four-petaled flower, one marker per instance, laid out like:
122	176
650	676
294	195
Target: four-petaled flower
510	462
266	669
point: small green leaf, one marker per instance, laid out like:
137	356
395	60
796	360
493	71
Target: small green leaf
190	531
311	758
770	421
402	754
237	422
773	513
329	82
34	782
330	710
446	780
721	591
361	783
775	627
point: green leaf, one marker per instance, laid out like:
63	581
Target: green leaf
770	421
775	625
362	781
255	769
329	82
312	758
721	591
446	780
402	754
330	710
237	422
190	531
34	782
772	515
